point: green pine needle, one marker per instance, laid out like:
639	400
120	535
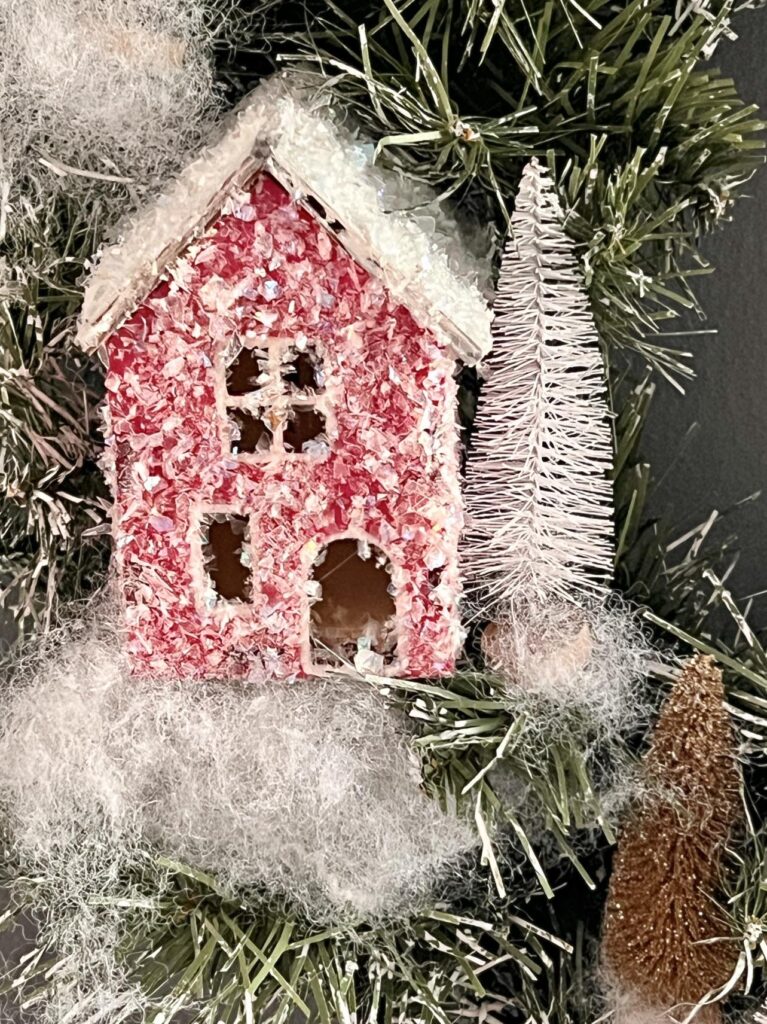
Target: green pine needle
193	948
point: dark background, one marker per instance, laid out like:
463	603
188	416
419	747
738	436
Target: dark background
708	447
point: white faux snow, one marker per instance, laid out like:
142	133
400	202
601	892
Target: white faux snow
281	127
590	658
93	91
310	793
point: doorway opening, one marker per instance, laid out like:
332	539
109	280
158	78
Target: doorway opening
353	616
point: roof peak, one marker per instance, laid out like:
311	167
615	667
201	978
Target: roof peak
282	128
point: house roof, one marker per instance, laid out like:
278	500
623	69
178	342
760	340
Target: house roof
285	129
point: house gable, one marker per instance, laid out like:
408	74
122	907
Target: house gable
384	474
332	174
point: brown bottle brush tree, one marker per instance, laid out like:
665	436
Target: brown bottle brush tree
661	909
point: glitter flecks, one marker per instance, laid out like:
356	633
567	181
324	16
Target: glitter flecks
383	468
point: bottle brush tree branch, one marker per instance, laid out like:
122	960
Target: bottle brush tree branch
665	940
537	494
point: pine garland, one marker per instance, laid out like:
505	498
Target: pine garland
665	940
194	953
537	493
651	144
53	496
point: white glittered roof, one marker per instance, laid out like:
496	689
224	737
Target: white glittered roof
280	128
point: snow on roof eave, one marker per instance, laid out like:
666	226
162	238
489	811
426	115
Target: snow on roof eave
273	128
128	270
106	307
469	349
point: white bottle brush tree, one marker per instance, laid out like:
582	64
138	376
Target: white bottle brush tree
538	499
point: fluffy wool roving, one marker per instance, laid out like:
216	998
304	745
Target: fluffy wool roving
591	655
308	792
90	90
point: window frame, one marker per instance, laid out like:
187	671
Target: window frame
202	583
275	399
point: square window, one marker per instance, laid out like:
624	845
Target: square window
302	371
248	433
305	424
273	399
243	372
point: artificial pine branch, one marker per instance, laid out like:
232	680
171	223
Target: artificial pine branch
665	940
52	495
537	495
651	143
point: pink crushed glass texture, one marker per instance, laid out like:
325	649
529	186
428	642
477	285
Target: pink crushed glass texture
387	469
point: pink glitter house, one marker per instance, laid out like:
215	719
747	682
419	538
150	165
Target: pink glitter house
281	412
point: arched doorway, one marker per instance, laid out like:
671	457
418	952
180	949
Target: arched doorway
353	610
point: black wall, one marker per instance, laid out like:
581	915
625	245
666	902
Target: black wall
725	457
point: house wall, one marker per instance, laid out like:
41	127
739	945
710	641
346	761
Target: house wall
265	270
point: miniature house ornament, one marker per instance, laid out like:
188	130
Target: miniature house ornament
281	411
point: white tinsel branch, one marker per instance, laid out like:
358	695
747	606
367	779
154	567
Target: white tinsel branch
537	495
